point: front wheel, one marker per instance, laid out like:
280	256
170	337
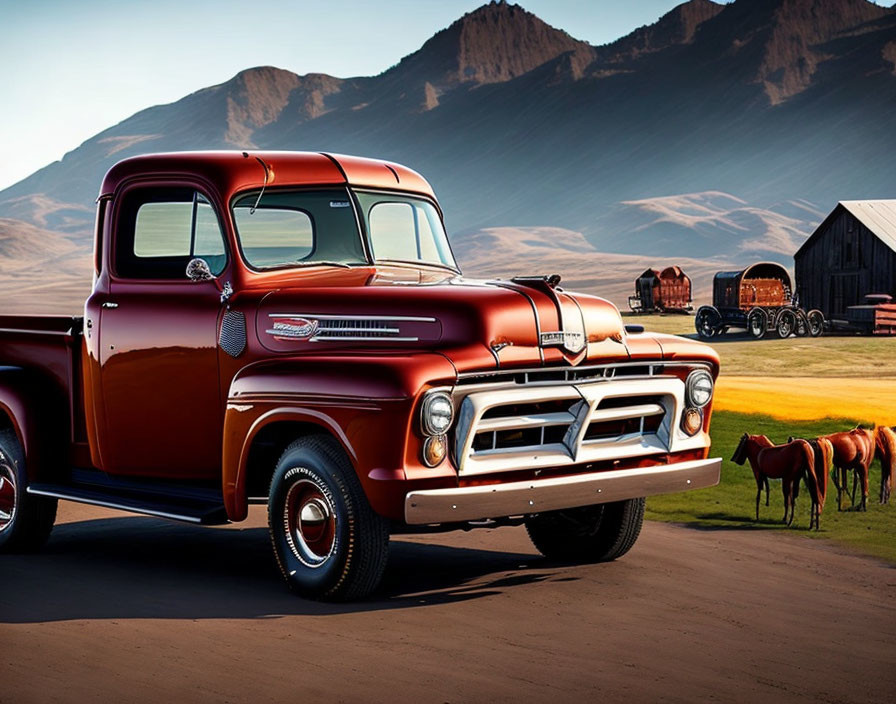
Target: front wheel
707	322
25	520
329	542
589	534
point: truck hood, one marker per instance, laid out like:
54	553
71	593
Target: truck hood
478	325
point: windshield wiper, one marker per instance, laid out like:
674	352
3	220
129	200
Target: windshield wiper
320	263
417	262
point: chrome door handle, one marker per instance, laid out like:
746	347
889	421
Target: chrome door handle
110	304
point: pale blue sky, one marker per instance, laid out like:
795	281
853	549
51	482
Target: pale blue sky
74	67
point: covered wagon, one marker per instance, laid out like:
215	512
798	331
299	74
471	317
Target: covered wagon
758	299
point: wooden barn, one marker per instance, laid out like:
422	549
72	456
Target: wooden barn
850	255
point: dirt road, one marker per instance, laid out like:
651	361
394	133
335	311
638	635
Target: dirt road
132	609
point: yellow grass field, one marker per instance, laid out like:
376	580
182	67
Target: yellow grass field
809	398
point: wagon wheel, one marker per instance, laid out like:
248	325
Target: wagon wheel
816	322
802	324
757	323
707	322
786	324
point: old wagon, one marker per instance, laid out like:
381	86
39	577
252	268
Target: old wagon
663	291
757	299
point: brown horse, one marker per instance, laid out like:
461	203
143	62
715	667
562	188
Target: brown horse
824	457
789	463
853	450
885	447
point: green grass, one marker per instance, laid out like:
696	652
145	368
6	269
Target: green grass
731	504
825	356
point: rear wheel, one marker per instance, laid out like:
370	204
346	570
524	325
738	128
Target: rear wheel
816	322
757	323
589	534
786	324
25	520
329	542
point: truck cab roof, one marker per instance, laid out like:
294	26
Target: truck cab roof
232	171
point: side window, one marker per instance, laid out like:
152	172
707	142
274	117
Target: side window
161	229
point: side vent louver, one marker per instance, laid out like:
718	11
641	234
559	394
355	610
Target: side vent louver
233	333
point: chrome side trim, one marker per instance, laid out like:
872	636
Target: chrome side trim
347	316
112	504
474	503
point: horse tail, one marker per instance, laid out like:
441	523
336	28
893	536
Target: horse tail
826	455
807	472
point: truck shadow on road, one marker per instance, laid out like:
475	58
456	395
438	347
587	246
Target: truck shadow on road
125	568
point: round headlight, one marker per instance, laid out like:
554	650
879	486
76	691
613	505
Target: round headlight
699	388
437	413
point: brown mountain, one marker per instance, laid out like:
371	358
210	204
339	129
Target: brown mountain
517	123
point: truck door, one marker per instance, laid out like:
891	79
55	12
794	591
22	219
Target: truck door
158	336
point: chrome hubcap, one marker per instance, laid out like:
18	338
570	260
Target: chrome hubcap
310	523
8	494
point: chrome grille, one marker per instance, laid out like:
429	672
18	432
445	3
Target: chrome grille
507	426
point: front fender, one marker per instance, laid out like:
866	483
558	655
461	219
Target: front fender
365	402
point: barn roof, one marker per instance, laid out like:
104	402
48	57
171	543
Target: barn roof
879	216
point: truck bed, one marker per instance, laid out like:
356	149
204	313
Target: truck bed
48	347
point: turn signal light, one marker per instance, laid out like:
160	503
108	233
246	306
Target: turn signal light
692	421
435	448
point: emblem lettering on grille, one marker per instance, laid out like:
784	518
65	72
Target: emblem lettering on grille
572	341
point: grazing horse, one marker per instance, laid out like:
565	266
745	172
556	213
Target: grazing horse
789	463
885	450
853	450
824	456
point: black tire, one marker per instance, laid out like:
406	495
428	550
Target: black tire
328	541
589	534
757	323
786	324
802	324
816	322
707	322
25	520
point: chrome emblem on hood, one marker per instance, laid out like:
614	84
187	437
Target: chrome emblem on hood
571	341
293	328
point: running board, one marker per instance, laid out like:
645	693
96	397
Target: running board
198	512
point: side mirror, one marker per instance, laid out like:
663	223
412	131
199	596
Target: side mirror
198	270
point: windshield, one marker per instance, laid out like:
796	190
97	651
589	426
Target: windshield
290	228
405	229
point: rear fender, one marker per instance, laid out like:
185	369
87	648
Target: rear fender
26	406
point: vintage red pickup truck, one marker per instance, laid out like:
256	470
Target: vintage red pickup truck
292	329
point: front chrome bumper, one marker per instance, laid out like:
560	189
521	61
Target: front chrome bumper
551	494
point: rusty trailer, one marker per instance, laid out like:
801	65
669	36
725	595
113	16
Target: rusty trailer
666	291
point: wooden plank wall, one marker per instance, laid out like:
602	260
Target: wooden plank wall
841	265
